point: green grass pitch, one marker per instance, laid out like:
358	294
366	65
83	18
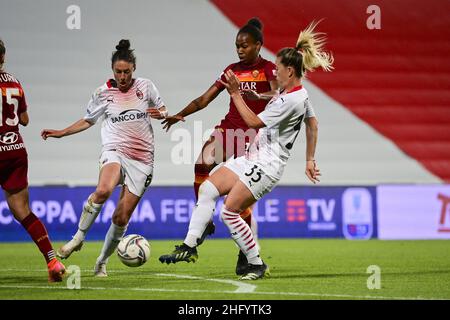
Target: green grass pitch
300	269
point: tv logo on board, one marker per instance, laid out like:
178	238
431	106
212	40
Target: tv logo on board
357	213
445	212
321	213
296	210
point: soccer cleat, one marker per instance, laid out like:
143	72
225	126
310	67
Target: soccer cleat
66	250
242	263
210	229
256	271
56	270
181	253
100	270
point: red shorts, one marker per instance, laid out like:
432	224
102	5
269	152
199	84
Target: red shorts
14	173
233	141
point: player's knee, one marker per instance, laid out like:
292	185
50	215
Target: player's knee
208	192
102	194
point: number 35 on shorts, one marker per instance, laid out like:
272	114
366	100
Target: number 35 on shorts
257	181
254	174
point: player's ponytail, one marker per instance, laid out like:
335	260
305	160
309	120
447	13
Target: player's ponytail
308	53
310	45
253	27
123	52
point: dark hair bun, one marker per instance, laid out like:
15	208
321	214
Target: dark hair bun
123	45
256	23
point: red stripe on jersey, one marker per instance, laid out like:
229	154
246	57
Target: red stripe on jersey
255	75
295	89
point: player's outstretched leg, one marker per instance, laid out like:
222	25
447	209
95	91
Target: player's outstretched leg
201	172
201	216
90	213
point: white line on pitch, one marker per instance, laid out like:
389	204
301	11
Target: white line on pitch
242	287
299	294
209	291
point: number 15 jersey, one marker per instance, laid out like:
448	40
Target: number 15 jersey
12	104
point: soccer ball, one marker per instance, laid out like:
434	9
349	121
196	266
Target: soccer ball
133	250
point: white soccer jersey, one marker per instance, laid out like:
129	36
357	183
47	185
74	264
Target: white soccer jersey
283	117
126	126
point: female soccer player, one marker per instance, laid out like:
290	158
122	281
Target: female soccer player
14	166
128	147
258	84
246	179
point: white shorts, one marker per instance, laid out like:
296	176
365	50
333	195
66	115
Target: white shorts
252	176
136	175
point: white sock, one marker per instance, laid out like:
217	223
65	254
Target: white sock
242	235
88	216
203	212
112	239
254	228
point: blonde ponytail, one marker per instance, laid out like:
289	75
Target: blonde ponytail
310	45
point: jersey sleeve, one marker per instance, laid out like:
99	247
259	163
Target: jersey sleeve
154	98
219	84
23	106
271	71
276	112
96	107
309	113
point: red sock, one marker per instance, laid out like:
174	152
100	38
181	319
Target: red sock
201	174
38	233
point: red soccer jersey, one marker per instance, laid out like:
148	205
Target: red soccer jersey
12	104
254	77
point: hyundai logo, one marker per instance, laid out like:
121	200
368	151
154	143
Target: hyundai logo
10	138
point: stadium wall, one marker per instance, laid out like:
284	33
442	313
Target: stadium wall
352	212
